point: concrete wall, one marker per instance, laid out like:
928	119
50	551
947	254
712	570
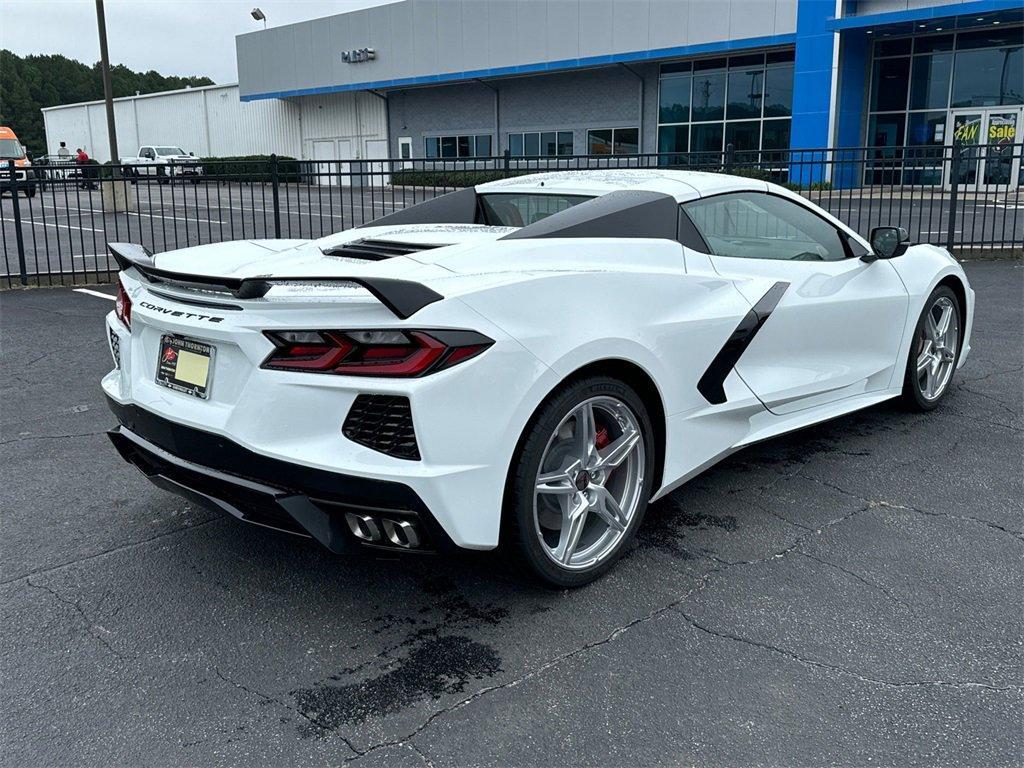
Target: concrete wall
213	122
864	7
425	41
606	97
207	121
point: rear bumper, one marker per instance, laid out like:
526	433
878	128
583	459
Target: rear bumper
215	472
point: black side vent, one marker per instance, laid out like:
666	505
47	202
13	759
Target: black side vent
383	423
376	250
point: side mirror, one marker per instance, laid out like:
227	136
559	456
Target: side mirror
889	242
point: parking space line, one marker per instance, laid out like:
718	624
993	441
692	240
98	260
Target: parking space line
48	224
94	293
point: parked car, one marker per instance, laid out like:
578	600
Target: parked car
13	153
164	162
527	362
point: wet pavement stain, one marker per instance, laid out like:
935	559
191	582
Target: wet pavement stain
437	667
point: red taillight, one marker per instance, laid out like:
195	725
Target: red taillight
373	353
123	306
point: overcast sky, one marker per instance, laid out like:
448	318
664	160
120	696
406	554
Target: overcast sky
174	37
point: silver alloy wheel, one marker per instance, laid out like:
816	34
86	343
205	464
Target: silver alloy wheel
590	483
937	348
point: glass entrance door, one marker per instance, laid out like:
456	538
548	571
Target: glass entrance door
986	139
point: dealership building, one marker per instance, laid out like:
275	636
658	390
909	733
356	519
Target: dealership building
550	78
562	77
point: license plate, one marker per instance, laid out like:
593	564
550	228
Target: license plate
185	365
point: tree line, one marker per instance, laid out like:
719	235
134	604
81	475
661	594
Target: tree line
27	84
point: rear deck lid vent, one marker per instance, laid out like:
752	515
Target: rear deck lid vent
376	250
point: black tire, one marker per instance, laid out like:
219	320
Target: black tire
520	541
30	192
913	396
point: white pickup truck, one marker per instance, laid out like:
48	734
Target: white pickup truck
164	162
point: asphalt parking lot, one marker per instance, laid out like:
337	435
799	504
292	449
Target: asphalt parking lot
850	594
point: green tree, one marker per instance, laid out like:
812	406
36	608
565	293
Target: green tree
28	84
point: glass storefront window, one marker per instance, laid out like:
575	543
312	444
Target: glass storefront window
886	130
545	144
626	141
889	84
613	141
673	138
744	136
708	96
457	146
713	102
599	142
746	91
988	78
706	137
674	100
926	128
778	91
775	134
565	143
929	81
531	144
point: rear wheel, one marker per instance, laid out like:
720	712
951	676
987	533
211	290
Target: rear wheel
580	485
934	351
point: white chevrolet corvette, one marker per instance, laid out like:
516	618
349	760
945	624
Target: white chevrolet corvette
525	363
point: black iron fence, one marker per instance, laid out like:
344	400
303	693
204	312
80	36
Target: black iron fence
57	218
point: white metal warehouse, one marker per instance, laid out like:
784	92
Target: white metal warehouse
212	122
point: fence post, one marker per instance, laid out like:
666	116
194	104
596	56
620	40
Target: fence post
19	239
276	196
730	157
954	184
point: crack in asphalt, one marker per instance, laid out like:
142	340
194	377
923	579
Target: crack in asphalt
112	550
26	438
92	628
843	670
867	582
555	661
1019	535
275	700
610	637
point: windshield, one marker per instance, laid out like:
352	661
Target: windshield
165	151
11	149
519	210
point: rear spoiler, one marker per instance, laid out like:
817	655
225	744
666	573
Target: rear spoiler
403	298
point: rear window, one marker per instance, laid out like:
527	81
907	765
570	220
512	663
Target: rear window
520	210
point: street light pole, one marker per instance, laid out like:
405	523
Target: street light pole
108	91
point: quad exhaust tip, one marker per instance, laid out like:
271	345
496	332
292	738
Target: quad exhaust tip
400	533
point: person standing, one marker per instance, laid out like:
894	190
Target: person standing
82	159
63	153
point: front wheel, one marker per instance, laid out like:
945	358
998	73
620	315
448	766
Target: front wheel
934	351
581	482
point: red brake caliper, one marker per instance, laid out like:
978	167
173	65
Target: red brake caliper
602	438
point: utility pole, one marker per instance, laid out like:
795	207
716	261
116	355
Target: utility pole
108	91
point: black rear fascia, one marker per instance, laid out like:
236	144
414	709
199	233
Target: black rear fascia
295	487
